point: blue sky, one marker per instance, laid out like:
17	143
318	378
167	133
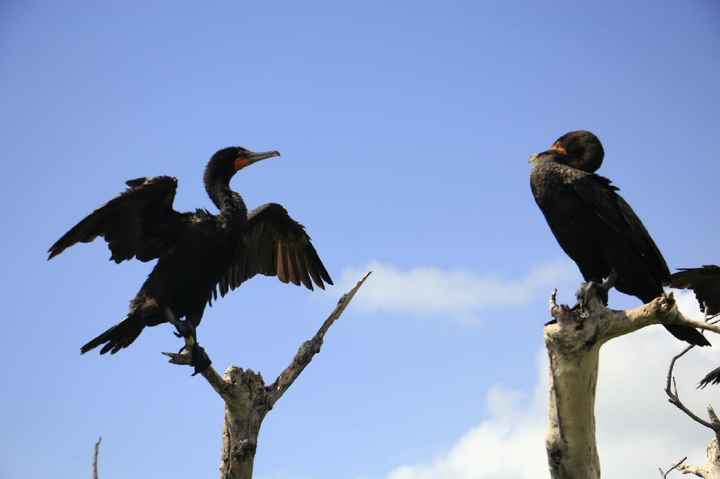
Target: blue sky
405	131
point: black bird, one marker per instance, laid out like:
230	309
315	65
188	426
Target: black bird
595	226
199	254
705	282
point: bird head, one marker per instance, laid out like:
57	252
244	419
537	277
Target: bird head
580	149
226	162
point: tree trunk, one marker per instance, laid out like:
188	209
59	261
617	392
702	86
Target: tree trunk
573	343
245	410
570	441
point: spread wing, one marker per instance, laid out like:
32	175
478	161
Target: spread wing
705	282
274	244
140	222
602	198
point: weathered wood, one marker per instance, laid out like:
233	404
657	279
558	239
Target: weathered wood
573	343
248	399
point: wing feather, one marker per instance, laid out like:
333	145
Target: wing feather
602	198
705	282
140	222
273	244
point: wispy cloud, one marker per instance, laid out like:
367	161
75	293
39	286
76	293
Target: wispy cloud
637	429
427	291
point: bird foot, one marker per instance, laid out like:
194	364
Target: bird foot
609	282
194	356
199	359
586	294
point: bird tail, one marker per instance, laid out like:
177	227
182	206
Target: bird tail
689	335
117	337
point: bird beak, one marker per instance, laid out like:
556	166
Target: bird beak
532	158
246	160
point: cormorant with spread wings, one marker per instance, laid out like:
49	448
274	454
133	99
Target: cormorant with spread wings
199	254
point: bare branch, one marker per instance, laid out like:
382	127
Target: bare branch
672	468
95	458
210	374
712	469
310	348
247	398
674	397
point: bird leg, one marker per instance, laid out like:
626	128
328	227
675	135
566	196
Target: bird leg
609	282
595	289
199	359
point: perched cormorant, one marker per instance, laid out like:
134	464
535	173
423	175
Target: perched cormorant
595	226
198	253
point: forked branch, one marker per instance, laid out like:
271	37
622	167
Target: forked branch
711	470
248	399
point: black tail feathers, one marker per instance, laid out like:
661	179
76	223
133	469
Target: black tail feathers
689	335
117	337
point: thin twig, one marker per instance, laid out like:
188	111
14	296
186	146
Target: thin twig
674	397
95	458
310	348
672	468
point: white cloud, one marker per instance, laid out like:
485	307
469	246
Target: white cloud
637	429
430	291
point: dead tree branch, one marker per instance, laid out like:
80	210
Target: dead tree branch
664	474
711	470
573	343
95	458
247	399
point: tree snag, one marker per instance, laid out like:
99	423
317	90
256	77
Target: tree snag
573	341
248	399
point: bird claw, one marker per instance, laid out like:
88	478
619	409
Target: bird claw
194	356
199	359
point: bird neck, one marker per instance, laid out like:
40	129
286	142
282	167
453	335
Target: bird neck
230	203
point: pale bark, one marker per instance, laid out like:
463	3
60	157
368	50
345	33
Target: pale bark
573	344
711	470
248	399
